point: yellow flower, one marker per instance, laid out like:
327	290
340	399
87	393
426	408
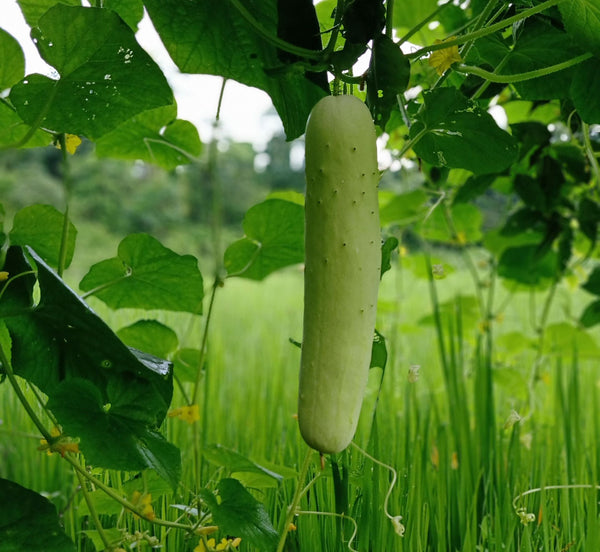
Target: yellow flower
62	444
3	276
202	548
441	60
189	414
72	142
225	544
143	503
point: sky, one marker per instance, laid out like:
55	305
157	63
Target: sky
244	110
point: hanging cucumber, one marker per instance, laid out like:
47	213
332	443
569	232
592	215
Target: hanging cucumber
342	270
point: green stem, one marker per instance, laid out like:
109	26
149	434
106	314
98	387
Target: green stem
541	330
122	501
93	513
485	31
64	240
591	155
22	398
480	23
300	490
270	37
518	77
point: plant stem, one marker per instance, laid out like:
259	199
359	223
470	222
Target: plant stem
122	501
64	240
270	37
589	152
93	513
518	77
486	30
21	396
298	494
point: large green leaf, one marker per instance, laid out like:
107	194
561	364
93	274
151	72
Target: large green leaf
459	224
29	522
131	11
214	38
238	513
274	238
237	463
582	21
525	265
13	131
584	90
41	227
105	76
12	68
34	9
456	133
150	336
155	136
539	45
119	430
110	396
146	275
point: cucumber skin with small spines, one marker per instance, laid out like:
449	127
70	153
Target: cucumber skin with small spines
342	270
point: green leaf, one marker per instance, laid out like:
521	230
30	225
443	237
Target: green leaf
151	337
111	397
540	44
387	248
474	187
105	76
593	282
238	513
237	463
582	21
524	265
13	130
29	522
563	339
186	363
198	37
41	227
12	68
466	221
155	136
403	209
457	133
379	353
119	430
5	344
591	315
584	90
131	11
146	275
588	216
388	76
274	238
113	535
34	9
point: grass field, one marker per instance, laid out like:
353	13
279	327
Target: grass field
449	450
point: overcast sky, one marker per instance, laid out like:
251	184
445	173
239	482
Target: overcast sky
243	110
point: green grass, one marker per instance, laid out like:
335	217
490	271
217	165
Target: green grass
459	464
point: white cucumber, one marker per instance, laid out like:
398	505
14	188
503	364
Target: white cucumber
342	270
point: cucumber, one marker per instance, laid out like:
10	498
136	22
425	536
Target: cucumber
342	270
